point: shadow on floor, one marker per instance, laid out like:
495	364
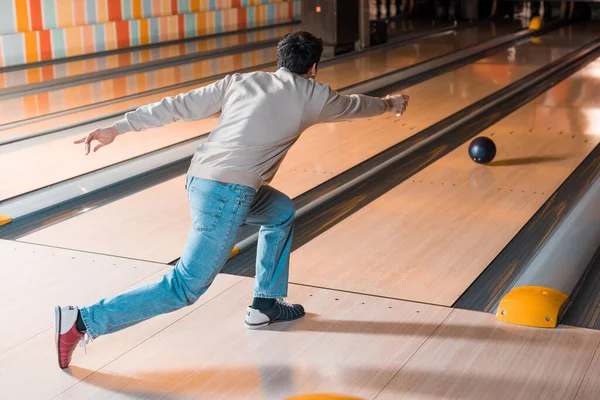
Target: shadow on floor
526	161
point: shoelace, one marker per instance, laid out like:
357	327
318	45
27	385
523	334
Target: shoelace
83	342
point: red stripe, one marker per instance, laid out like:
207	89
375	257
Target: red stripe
181	26
291	10
35	12
114	10
45	43
174	7
122	28
242	18
236	3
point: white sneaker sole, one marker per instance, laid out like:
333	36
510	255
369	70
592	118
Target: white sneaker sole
264	325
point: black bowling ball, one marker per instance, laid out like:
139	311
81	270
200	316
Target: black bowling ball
482	150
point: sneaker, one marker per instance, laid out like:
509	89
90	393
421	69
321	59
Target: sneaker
67	336
281	311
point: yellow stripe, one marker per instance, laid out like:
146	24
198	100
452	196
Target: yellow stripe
31	47
137	9
144	31
22	9
5	219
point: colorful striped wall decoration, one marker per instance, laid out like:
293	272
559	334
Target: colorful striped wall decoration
31	106
36	15
21	48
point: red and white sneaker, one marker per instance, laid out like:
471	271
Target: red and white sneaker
67	336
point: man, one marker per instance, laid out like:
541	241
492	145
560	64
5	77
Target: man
262	116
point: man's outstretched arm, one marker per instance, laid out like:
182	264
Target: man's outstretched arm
346	107
191	106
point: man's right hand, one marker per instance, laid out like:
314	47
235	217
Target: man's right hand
397	103
104	136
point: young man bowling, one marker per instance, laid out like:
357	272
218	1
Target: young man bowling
262	116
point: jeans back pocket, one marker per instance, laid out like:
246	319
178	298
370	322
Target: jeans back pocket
206	208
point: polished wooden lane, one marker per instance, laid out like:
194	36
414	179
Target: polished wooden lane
473	356
73	68
431	236
53	276
360	345
348	343
322	152
353	71
61	160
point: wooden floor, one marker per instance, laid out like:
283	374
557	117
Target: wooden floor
321	153
370	347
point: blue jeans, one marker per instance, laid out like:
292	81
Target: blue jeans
218	212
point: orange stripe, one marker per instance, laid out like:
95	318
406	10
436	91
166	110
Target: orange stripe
31	47
48	72
75	68
145	55
44	103
35	13
33	74
86	94
74	42
174	8
114	10
144	31
22	9
124	59
120	86
45	45
111	36
90	65
30	106
141	82
195	6
163	26
122	28
137	9
79	12
88	39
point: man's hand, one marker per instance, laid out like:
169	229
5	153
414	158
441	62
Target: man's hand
397	103
104	135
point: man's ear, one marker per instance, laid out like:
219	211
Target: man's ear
313	70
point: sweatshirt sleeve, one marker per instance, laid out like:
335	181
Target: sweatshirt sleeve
193	105
345	107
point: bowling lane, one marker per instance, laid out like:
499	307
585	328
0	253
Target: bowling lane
132	226
56	159
11	77
95	94
430	237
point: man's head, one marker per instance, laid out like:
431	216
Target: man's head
300	52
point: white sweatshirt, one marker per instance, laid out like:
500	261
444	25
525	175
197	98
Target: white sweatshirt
262	116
